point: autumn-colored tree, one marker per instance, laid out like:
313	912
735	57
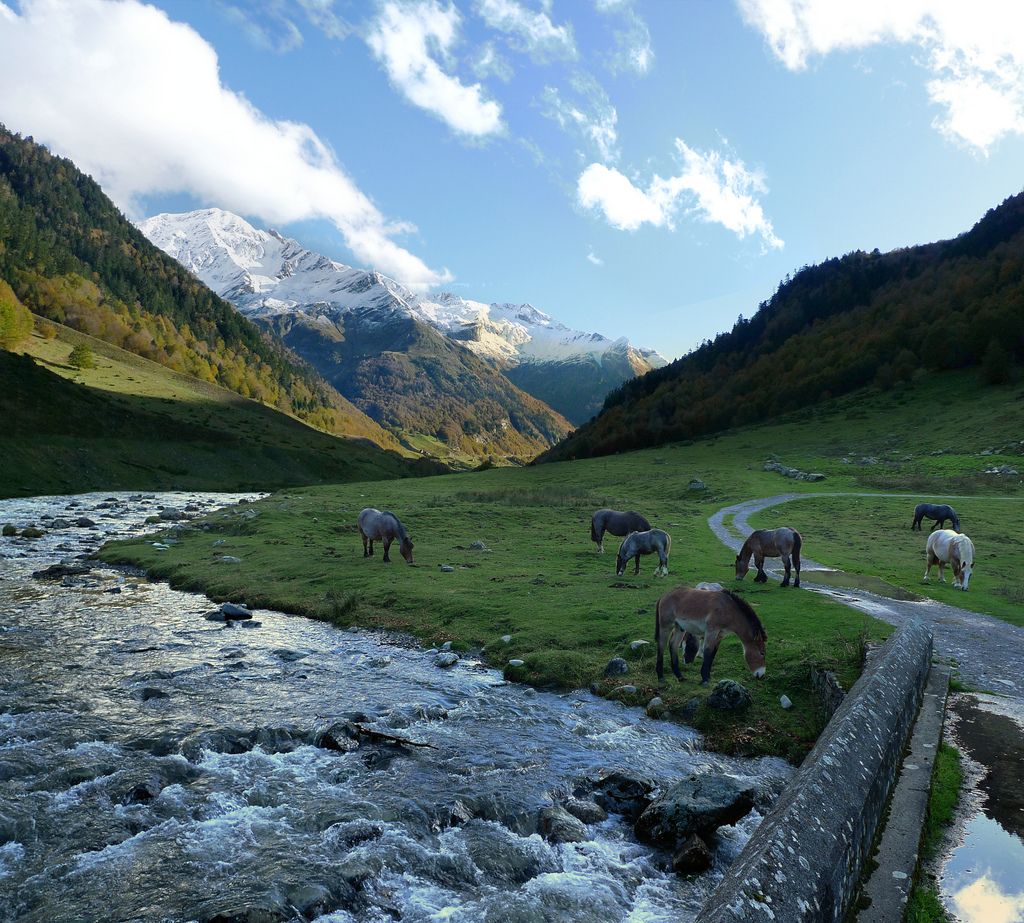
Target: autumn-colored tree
15	318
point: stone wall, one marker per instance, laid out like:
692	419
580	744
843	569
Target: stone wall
804	862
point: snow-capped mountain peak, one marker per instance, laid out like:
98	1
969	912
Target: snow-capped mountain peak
262	272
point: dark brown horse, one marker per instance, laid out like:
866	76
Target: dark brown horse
782	543
616	523
683	614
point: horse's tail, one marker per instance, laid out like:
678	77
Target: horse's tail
657	622
593	528
798	541
749	613
668	544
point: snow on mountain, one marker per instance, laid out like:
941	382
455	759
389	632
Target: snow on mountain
264	273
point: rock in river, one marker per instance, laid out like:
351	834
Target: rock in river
697	804
235	611
559	826
693	857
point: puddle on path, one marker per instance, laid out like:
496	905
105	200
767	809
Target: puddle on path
982	877
876	585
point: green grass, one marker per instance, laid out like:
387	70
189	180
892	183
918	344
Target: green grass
871	536
133	424
924	905
543	583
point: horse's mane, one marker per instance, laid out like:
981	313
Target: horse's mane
401	529
748	613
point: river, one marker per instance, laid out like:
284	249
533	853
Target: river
158	766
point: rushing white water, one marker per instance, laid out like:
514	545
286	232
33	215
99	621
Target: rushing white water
158	766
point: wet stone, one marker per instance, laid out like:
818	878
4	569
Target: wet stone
692	858
587	811
559	826
697	804
622	792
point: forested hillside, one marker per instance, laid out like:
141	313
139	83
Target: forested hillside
436	395
865	319
71	256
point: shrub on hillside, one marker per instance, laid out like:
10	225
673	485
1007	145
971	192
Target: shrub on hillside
82	358
15	319
45	329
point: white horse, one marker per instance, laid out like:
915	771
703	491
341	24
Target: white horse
948	547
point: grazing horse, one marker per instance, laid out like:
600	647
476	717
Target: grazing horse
683	613
948	547
653	541
620	524
375	525
782	543
940	512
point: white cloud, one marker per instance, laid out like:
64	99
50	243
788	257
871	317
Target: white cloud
279	34
983	901
597	123
594	258
136	100
531	30
403	38
974	51
709	186
489	63
633	39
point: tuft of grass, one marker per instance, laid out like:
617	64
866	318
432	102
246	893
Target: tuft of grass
338	607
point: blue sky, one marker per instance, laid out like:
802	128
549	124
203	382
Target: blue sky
649	169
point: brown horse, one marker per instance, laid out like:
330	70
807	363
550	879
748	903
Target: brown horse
683	613
782	543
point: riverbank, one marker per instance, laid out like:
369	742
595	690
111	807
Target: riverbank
537	601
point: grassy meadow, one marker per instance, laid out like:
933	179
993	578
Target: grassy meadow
542	582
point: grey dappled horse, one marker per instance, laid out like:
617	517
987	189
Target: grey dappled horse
375	525
653	541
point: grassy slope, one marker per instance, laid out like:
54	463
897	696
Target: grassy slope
542	581
131	423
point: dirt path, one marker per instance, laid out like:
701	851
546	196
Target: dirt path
988	652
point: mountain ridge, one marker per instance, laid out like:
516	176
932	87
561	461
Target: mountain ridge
265	273
864	319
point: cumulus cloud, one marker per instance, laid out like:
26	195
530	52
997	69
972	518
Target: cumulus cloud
530	30
596	120
709	185
136	100
973	51
594	258
404	38
984	901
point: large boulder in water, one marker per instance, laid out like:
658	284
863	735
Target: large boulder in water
502	856
697	804
559	826
622	792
